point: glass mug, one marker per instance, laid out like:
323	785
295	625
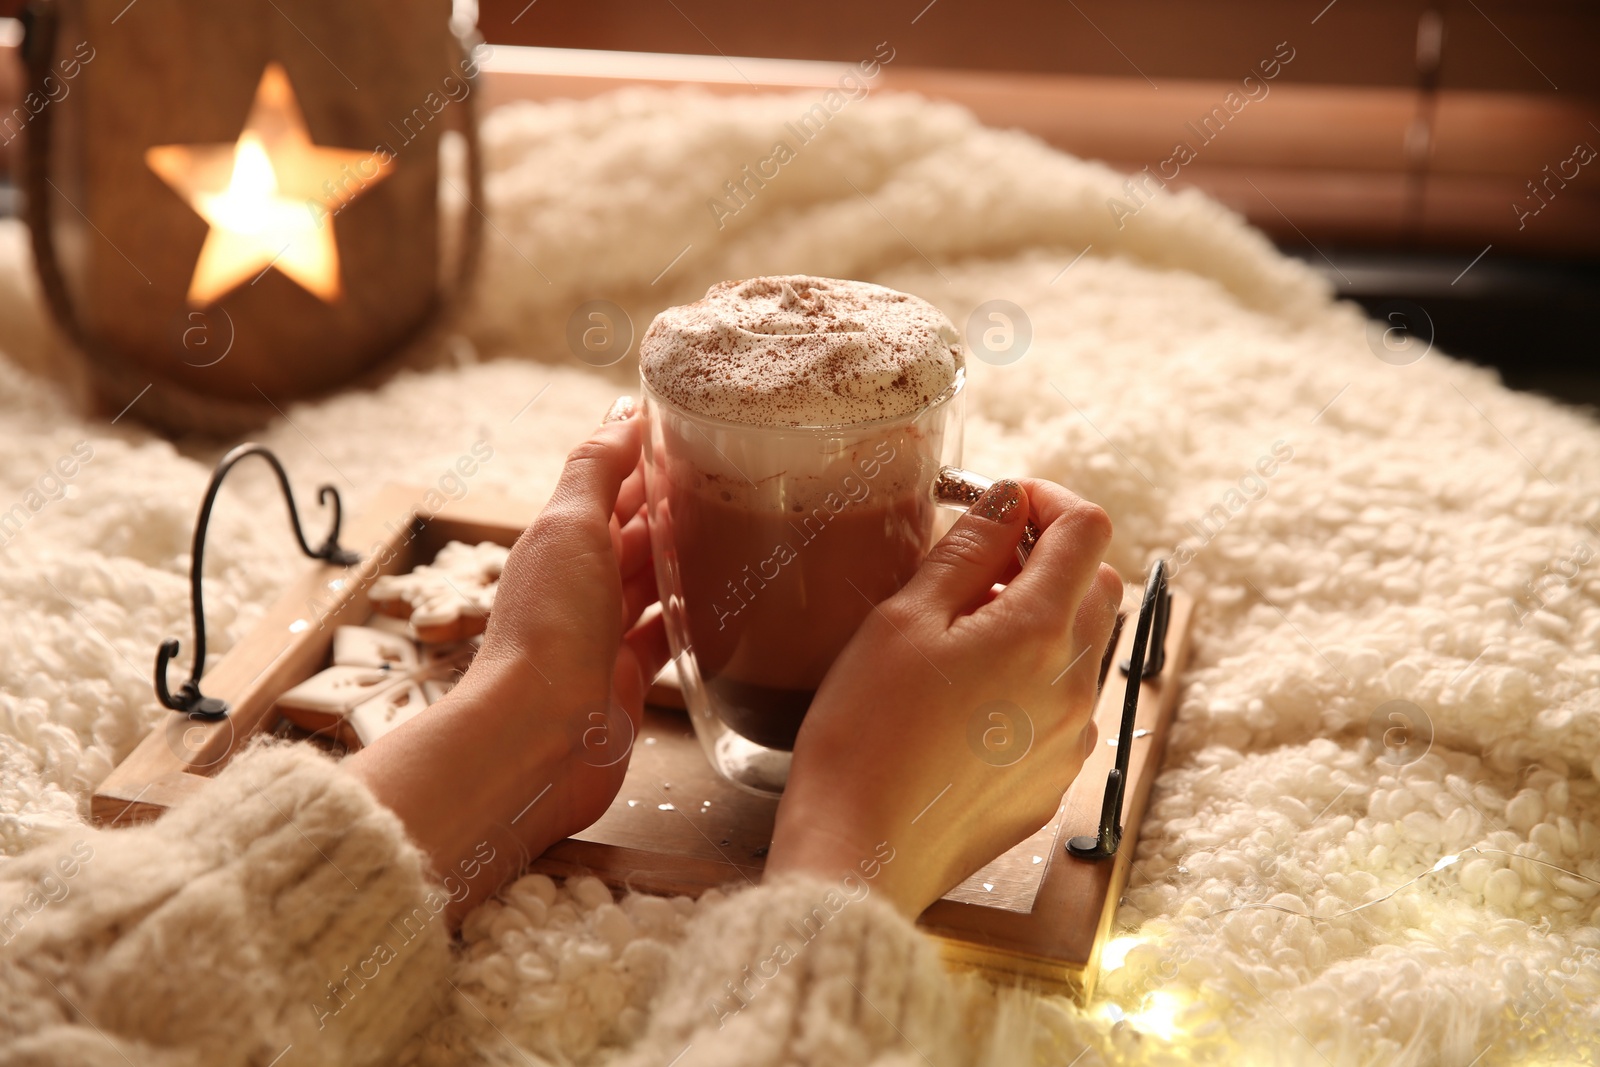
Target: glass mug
772	543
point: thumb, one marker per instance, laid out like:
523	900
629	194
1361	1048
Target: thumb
960	570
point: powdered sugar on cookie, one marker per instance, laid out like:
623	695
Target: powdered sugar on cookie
796	350
449	599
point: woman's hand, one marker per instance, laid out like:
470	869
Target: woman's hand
533	742
956	717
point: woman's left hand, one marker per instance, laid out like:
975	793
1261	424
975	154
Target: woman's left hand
533	742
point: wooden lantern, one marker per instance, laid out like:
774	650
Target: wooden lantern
238	205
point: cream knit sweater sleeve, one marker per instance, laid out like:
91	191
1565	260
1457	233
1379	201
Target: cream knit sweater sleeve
285	908
284	917
804	971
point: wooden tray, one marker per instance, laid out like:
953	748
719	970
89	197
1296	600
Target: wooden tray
294	641
713	834
675	826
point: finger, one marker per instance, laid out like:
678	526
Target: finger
591	481
633	545
631	498
1092	627
638	593
648	644
1097	615
960	570
621	408
643	653
1064	563
629	684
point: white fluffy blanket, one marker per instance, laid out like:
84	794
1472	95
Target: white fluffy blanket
1389	558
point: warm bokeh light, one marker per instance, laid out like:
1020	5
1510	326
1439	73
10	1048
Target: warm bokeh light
1115	952
269	198
1159	1014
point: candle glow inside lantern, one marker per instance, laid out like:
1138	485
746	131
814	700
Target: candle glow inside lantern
269	198
240	205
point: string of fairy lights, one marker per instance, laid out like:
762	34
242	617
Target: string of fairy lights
1161	1011
1443	863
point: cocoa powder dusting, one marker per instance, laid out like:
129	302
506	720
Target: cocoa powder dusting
798	350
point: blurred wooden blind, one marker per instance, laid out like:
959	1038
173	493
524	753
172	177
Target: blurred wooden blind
1396	123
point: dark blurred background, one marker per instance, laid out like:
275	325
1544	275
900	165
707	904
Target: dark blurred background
1424	152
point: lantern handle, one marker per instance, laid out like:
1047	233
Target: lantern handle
188	699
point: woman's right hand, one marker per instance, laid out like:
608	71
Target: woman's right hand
956	717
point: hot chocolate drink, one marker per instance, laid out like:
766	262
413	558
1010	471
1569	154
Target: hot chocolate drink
797	423
771	595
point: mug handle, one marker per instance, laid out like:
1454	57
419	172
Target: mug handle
960	489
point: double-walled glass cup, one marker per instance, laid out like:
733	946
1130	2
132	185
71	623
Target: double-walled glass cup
772	543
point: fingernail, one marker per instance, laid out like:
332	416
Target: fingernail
622	409
998	501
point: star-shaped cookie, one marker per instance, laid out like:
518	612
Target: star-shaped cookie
378	680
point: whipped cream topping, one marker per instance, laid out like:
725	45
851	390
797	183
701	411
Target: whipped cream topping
801	351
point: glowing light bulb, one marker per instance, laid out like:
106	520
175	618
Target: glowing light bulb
1159	1014
1115	952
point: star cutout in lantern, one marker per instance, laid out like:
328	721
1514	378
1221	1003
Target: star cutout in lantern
270	197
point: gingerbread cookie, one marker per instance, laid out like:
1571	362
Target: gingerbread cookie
367	646
325	700
378	680
448	599
386	712
390	625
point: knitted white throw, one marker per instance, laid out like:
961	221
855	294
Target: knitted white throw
1424	536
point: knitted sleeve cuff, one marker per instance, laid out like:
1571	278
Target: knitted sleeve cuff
804	970
282	907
